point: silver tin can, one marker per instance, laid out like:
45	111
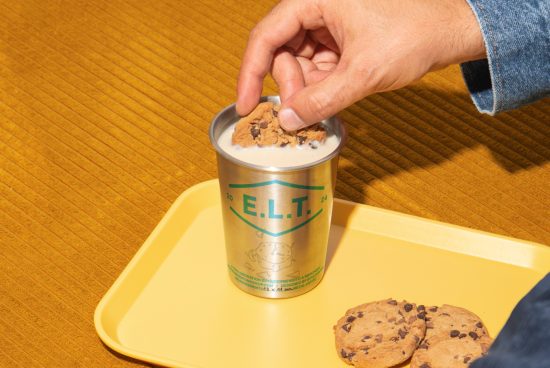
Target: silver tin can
276	219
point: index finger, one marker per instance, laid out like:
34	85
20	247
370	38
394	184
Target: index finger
280	26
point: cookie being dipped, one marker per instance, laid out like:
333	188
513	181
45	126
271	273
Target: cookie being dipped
262	128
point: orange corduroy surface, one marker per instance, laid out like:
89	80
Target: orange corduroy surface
104	110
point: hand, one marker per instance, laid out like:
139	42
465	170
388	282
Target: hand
327	54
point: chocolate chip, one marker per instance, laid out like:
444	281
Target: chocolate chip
466	360
350	319
343	354
378	322
394	338
378	338
462	335
351	355
403	352
479	325
284	144
301	139
360	315
473	335
263	124
408	307
421	308
392	302
346	327
433	309
425	365
254	131
454	333
402	333
314	145
366	337
275	113
421	315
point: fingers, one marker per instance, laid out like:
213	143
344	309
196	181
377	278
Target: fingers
318	101
249	88
293	70
287	73
280	26
314	72
306	48
325	55
324	37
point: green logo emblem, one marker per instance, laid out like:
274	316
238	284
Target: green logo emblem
279	210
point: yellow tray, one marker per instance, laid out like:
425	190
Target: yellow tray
174	304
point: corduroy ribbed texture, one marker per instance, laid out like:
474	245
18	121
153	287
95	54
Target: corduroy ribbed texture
104	110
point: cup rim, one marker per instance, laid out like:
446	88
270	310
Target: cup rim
340	131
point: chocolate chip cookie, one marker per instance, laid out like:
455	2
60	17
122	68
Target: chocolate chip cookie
261	128
454	338
443	351
379	334
453	321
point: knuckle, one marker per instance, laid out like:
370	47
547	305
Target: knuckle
370	74
255	33
362	70
320	105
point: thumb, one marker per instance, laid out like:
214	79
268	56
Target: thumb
323	99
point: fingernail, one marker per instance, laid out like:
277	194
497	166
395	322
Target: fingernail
290	120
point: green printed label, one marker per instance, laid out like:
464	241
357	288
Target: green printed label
293	206
258	283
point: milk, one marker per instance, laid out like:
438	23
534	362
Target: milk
278	156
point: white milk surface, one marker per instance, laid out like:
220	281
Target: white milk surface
277	156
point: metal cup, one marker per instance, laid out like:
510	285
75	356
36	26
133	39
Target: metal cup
276	219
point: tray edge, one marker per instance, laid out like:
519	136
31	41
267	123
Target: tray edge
112	343
105	337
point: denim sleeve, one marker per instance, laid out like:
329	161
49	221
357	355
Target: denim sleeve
517	68
524	341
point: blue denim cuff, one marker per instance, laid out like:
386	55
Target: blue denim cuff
523	341
517	68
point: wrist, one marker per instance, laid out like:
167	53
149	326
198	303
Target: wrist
462	39
473	45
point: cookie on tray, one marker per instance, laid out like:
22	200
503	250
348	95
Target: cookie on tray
261	128
443	351
451	320
455	337
379	334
